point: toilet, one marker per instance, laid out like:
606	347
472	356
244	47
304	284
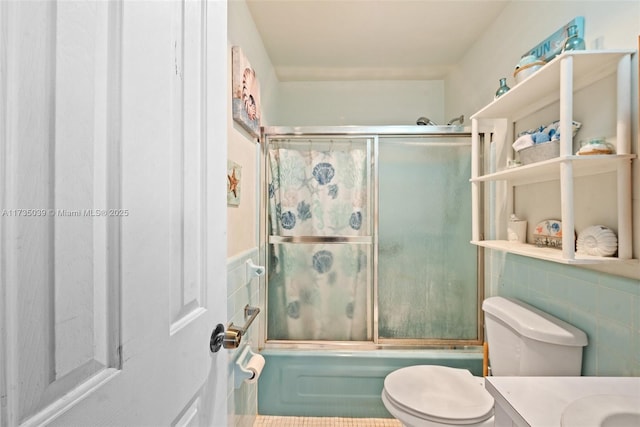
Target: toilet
523	341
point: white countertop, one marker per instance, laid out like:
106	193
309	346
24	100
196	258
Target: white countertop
540	401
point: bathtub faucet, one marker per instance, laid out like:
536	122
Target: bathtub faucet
425	121
460	120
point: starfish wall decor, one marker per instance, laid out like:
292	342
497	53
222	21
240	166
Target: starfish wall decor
233	183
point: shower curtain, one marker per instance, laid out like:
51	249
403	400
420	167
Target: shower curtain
318	287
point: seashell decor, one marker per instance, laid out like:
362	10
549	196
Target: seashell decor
597	240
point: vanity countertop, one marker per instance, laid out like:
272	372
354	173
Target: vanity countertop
540	401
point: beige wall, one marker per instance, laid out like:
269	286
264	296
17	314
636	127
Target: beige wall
609	24
364	103
242	220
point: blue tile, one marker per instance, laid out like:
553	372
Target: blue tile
614	336
557	288
616	305
580	273
538	300
510	273
559	309
636	310
582	295
520	292
589	363
605	307
537	278
556	268
636	346
623	284
586	322
614	348
231	306
611	364
508	291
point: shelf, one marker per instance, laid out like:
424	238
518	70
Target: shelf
548	254
555	83
549	170
541	88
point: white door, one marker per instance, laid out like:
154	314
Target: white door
112	226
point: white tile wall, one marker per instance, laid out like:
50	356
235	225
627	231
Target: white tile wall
242	403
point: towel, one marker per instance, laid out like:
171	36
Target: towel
523	142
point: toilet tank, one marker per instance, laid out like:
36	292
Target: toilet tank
525	341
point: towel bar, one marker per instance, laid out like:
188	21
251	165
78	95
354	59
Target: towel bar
233	334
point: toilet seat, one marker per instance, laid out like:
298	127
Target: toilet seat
439	394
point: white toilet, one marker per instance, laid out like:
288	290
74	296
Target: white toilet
523	341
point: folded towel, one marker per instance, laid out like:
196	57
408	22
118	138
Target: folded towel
523	142
539	137
552	131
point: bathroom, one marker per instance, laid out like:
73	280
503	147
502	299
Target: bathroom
570	292
603	301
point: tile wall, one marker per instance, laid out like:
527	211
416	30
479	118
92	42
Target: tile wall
242	403
606	307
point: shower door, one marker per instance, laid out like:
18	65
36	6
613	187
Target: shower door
427	270
368	239
320	239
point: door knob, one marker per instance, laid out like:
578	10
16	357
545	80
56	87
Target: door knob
217	337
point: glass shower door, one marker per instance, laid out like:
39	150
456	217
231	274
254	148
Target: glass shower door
320	239
427	270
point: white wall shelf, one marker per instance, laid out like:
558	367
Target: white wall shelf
555	83
549	170
543	87
549	254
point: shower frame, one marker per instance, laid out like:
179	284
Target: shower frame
362	132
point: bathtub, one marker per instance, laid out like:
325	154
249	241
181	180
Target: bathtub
339	383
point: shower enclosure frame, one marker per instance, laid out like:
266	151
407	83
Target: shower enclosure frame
361	132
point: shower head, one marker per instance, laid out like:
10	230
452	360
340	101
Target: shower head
424	121
456	119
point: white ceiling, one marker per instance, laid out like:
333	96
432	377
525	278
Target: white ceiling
370	39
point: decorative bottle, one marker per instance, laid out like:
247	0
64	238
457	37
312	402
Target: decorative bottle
503	88
573	41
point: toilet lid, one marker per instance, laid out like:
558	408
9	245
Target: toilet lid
439	393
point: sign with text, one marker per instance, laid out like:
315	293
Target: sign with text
552	45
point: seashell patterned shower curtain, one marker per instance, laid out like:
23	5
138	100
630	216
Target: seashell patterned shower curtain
318	290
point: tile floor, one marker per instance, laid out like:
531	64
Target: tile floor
276	421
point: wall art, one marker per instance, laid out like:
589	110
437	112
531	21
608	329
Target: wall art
245	93
234	174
